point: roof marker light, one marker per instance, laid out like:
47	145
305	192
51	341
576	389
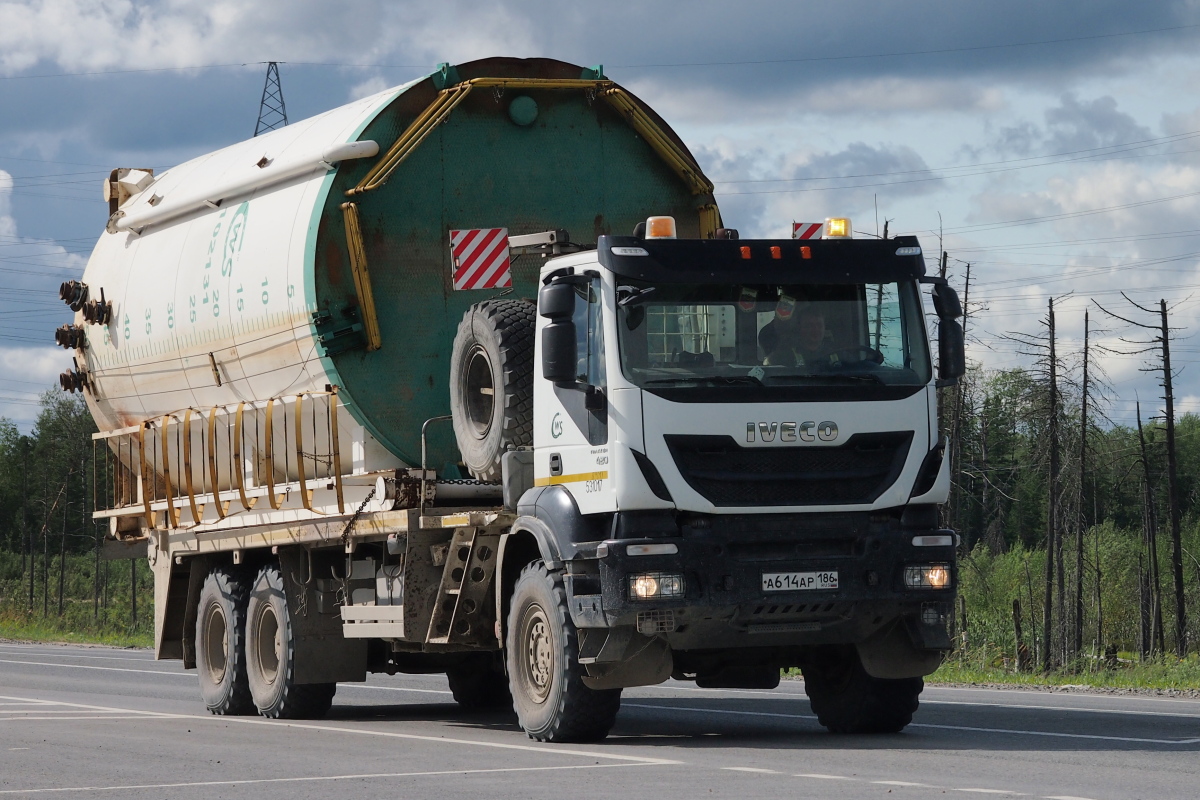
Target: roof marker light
660	227
838	228
745	251
776	252
805	251
908	251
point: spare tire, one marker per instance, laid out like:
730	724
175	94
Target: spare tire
491	383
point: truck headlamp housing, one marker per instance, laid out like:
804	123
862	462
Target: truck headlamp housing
927	576
655	586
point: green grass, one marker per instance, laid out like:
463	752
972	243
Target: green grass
21	625
80	622
1162	672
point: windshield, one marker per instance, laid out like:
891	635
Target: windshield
675	335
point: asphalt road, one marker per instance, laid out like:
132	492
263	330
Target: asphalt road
95	722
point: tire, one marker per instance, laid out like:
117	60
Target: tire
221	642
848	700
544	673
493	351
478	686
271	656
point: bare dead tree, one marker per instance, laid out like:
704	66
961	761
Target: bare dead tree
1046	355
1151	594
1160	342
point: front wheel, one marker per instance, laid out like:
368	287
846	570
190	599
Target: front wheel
848	700
551	702
271	656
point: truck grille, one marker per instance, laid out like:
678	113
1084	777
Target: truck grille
727	474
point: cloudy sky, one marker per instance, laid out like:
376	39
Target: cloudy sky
1053	145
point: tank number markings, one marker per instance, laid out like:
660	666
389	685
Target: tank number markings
798	581
593	486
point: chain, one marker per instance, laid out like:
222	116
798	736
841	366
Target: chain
354	519
320	459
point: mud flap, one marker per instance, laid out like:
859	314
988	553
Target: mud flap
620	657
323	655
891	653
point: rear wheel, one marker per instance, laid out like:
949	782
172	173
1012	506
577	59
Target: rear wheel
271	656
221	642
549	697
848	700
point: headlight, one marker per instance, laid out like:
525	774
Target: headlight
655	585
927	576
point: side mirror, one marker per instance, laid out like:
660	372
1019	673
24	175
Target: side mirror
952	351
560	357
946	302
556	300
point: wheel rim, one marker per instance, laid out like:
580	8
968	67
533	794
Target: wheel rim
269	644
216	643
480	391
538	657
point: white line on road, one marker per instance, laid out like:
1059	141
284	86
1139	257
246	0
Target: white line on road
1065	797
441	740
990	791
393	688
44	654
105	669
309	779
1131	739
906	783
824	777
1062	708
752	769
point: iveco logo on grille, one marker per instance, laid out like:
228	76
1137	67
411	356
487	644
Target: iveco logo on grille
791	431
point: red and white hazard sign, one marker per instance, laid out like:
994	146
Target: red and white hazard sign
480	258
807	230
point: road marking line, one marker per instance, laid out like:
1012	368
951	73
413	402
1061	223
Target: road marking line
393	688
97	715
906	783
752	769
926	725
106	669
825	777
72	655
1093	695
1066	797
313	778
384	734
108	709
18	748
1062	708
16	713
991	791
1054	734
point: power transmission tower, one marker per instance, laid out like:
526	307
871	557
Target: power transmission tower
272	113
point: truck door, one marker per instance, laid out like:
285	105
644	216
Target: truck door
571	419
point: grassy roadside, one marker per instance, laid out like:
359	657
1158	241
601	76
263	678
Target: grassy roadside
1164	673
76	626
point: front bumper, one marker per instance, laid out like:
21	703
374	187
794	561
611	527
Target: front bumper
722	560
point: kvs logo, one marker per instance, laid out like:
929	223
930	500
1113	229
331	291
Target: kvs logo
556	427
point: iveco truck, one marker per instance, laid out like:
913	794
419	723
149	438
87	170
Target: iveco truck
469	377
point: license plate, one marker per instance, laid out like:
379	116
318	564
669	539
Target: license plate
798	581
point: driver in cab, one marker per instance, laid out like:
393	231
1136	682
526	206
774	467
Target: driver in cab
796	337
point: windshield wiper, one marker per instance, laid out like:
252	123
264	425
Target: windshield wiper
832	376
725	379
